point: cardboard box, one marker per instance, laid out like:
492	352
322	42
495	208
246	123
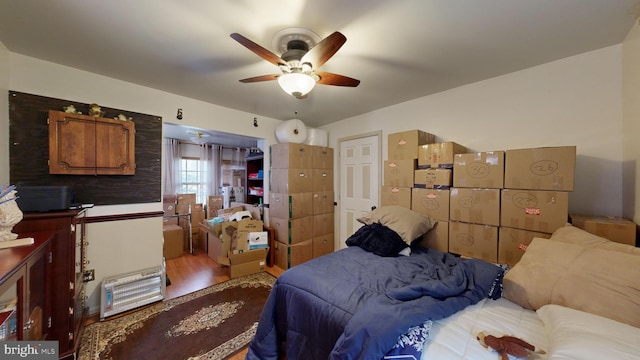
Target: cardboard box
399	172
291	255
477	206
292	231
248	262
216	248
291	155
431	202
432	178
173	241
393	195
404	145
437	238
290	206
473	240
322	179
614	228
512	243
439	154
183	202
214	203
323	224
535	210
292	180
258	240
547	168
322	245
322	157
244	228
323	202
479	170
169	208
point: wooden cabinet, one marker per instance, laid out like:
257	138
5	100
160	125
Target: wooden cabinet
68	246
25	292
89	145
255	178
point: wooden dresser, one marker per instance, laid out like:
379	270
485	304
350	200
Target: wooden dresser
68	244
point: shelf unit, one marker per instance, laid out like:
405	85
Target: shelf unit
255	178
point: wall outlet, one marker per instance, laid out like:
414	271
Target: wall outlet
89	275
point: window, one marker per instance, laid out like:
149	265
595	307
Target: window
192	178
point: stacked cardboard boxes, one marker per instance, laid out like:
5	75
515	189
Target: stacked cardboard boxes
535	199
398	172
301	202
475	204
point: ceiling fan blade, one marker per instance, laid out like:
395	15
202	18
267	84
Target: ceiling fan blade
259	78
324	50
335	79
258	50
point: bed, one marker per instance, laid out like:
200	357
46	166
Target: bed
380	298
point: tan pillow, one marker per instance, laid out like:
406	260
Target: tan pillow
408	224
574	235
601	282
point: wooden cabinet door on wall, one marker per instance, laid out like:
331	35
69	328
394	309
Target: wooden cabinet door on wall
88	145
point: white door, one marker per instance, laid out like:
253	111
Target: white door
359	182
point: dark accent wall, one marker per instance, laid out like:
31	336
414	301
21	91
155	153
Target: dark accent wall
29	154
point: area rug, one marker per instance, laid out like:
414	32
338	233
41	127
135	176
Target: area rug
212	323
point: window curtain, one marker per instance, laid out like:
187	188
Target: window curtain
171	164
216	166
238	158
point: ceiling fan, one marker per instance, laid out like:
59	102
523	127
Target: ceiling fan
300	61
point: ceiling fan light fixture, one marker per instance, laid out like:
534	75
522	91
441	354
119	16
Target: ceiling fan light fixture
296	84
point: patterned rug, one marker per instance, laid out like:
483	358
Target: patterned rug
213	323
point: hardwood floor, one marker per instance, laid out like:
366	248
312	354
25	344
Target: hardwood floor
188	273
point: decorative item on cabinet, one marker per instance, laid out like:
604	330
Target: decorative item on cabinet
90	145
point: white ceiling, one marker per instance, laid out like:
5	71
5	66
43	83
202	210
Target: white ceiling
399	49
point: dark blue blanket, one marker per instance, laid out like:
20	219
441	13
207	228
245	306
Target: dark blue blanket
353	304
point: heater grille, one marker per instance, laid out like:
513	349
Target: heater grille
129	291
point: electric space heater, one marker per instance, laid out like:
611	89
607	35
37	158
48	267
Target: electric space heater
129	291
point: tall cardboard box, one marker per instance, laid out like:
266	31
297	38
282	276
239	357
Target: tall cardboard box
404	145
477	206
183	202
173	241
323	202
431	202
169	208
322	157
609	227
291	180
433	178
323	224
392	195
399	172
473	240
545	168
288	256
437	238
322	179
214	203
535	210
290	206
292	231
512	243
291	155
439	154
322	245
479	170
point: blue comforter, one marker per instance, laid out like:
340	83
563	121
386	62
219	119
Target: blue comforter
353	304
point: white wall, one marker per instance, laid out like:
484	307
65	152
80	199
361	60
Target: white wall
120	246
631	122
573	101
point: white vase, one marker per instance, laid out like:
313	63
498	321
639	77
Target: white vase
10	215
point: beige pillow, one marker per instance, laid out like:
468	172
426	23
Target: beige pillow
601	282
574	235
408	224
